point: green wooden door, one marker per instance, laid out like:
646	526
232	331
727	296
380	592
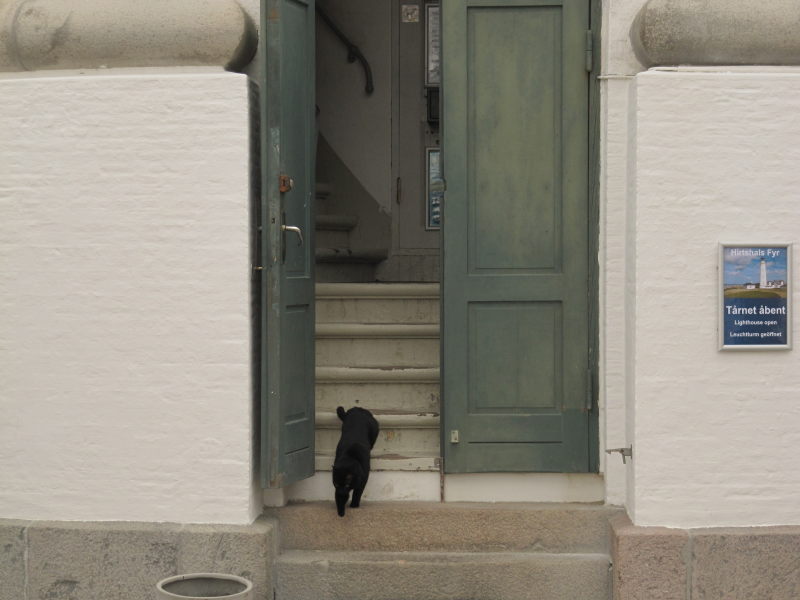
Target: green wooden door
516	229
287	175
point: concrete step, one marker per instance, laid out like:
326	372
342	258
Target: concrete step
326	222
377	303
350	255
411	267
388	419
447	527
377	330
322	190
406	442
412	397
421	438
373	375
332	238
377	346
333	231
321	575
410	390
334	272
408	461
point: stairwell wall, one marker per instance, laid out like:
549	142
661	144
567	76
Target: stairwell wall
356	125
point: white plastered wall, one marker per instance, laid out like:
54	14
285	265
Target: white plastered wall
618	68
715	433
124	297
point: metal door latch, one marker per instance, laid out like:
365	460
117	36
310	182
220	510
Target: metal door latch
625	453
285	184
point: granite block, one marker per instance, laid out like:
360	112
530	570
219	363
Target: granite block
124	561
12	559
746	563
649	563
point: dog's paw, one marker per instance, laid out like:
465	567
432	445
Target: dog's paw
355	504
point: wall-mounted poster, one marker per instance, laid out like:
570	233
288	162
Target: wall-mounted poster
433	46
755	297
433	188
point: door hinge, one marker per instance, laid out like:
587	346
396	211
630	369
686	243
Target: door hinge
589	50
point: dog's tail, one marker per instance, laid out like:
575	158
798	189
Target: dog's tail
341	412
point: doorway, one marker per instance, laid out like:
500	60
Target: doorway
512	240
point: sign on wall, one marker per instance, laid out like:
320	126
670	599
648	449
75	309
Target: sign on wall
755	291
433	188
433	46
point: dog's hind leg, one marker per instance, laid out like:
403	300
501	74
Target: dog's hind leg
356	501
341	501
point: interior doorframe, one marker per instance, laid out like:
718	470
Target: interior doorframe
595	99
401	196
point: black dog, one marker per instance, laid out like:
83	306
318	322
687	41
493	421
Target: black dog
351	465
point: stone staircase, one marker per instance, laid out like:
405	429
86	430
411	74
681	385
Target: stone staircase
336	259
443	551
377	346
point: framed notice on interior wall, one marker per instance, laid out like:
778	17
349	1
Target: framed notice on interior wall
433	47
434	193
755	296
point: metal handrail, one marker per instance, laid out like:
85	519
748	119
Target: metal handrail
353	52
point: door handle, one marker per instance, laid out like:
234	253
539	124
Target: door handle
296	230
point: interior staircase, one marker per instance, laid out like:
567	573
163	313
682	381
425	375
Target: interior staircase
337	258
377	346
443	551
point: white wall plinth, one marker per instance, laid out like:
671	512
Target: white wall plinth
715	433
124	297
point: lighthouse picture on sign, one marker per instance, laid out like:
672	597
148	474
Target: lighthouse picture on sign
755	303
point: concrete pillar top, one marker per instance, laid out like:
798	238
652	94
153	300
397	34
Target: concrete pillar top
91	34
717	32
